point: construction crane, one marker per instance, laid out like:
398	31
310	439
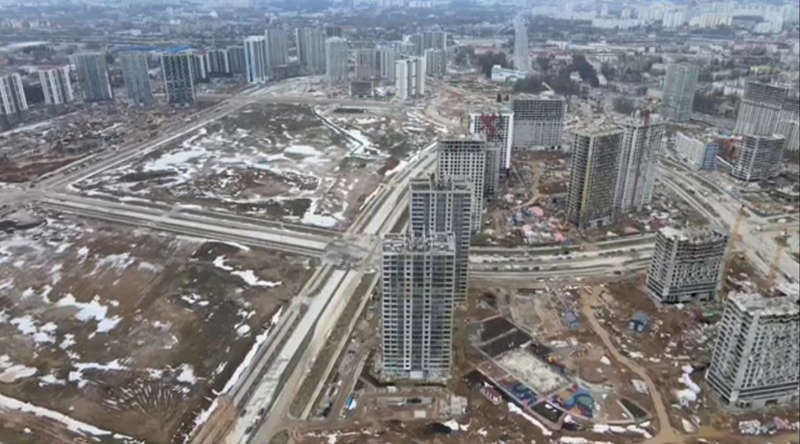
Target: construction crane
735	237
773	268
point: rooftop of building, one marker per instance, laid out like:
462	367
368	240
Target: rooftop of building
433	243
425	183
544	95
765	306
596	128
695	235
464	139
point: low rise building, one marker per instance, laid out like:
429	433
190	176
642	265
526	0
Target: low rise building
699	155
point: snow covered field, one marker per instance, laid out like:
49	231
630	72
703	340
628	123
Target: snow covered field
129	331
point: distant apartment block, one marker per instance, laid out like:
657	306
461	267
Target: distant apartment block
336	55
255	59
218	62
444	207
760	109
758	158
366	63
311	49
200	67
436	62
465	160
593	175
538	120
789	122
277	47
177	70
236	59
410	78
13	103
699	155
756	357
687	265
677	98
417	305
93	76
497	125
522	60
135	72
56	85
641	145
386	64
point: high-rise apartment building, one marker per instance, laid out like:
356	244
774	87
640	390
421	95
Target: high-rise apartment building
201	68
366	63
677	97
135	72
434	40
311	49
497	125
593	175
756	356
687	265
760	109
277	47
410	78
385	58
538	120
758	157
641	144
218	61
13	103
522	61
255	59
236	59
336	54
465	160
789	121
443	207
56	85
93	76
700	155
177	70
436	62
417	305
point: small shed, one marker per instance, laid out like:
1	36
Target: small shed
639	321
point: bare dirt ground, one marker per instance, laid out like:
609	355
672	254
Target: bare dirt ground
130	331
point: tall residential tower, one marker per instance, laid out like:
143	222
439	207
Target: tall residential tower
677	98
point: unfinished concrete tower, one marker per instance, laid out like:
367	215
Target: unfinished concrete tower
417	303
680	84
641	143
756	357
497	124
465	160
538	121
593	175
444	207
687	265
758	157
760	109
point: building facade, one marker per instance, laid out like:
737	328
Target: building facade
93	76
756	356
789	122
444	207
538	120
56	85
255	59
436	62
135	72
465	160
699	155
417	305
311	49
336	54
687	265
277	47
497	126
593	175
758	158
760	109
366	63
236	59
177	70
386	64
410	78
641	145
677	97
13	103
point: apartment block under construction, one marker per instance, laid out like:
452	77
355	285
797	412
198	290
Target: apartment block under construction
641	144
760	109
756	356
687	265
758	157
497	124
538	120
593	175
465	159
417	303
444	207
